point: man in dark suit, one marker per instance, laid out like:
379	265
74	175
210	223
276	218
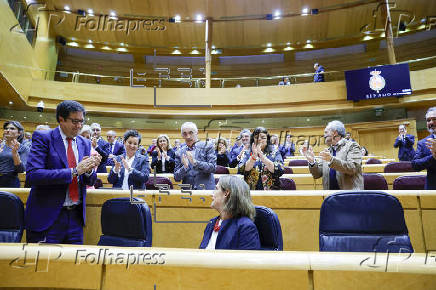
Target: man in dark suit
425	156
101	146
404	142
59	167
115	148
318	77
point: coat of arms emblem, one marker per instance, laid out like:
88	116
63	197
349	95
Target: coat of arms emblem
376	82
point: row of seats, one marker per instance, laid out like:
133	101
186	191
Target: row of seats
372	181
364	221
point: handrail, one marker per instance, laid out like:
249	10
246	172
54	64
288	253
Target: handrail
76	75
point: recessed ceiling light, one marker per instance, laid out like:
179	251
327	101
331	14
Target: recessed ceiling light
268	44
90	12
122	43
277	14
199	18
11	103
288	43
213	46
308	41
89	41
25	117
66	7
177	18
305	11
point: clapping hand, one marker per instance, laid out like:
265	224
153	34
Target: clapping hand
94	142
88	163
325	155
15	145
190	157
117	165
125	163
431	144
185	161
307	151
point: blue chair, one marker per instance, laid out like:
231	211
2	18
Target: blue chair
125	224
270	231
11	218
363	221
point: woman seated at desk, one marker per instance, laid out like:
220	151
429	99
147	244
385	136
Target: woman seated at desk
131	168
233	229
263	165
163	156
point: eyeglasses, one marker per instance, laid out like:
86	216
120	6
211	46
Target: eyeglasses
10	129
76	121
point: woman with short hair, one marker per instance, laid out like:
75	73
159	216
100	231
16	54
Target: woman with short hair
130	168
13	154
163	157
234	228
263	165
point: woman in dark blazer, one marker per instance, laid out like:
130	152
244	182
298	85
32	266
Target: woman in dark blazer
131	168
163	157
222	155
234	228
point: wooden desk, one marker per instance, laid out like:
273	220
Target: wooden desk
163	268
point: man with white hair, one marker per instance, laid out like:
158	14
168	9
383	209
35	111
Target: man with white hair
341	164
115	148
404	142
425	156
100	145
195	160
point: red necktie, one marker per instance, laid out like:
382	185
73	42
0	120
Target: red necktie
74	185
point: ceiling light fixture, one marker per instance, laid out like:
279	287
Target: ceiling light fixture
277	14
199	18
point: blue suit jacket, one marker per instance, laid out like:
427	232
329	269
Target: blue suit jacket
49	176
202	172
319	76
405	151
104	149
424	160
287	151
235	234
234	155
138	177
